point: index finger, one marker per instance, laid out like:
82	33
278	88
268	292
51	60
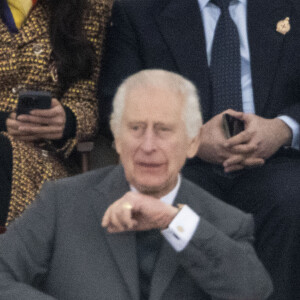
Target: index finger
106	218
46	113
12	116
39	129
237	114
241	138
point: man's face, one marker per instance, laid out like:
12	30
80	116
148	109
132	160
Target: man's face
153	144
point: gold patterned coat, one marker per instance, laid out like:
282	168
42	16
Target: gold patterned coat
25	63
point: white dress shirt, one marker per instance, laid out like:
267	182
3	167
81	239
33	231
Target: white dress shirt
183	226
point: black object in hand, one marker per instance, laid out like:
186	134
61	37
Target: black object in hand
29	100
232	125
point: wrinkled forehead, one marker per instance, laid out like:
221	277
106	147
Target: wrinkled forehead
158	104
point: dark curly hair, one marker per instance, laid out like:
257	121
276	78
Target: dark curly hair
73	53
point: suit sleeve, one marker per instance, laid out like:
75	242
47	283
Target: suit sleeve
121	59
25	251
226	266
289	70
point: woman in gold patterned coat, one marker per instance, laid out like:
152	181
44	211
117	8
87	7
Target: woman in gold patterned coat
57	49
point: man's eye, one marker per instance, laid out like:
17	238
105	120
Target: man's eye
135	128
164	129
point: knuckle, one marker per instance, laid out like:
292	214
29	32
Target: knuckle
219	154
248	148
251	132
255	144
246	134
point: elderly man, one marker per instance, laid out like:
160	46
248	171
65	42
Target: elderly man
162	237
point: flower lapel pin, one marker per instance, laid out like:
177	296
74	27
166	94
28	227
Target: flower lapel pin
283	26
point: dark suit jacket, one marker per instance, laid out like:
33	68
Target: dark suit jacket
168	34
59	246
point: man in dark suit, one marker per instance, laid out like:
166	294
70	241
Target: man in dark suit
259	169
146	248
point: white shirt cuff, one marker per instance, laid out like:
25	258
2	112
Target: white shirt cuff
182	228
295	127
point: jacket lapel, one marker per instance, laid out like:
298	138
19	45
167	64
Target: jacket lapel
123	248
5	36
122	245
28	32
180	23
266	45
37	18
165	268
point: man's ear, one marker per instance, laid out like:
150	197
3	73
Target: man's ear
118	145
193	146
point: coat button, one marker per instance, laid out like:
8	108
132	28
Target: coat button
37	49
45	153
14	90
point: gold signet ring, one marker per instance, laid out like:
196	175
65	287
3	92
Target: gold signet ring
127	205
283	26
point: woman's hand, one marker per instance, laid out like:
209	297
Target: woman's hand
39	124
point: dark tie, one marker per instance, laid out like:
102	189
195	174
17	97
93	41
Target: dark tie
148	246
225	64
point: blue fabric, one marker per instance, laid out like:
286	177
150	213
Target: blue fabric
7	17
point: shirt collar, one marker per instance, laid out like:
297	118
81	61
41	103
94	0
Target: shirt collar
170	197
203	3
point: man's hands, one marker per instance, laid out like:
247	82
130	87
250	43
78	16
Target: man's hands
137	212
266	137
260	139
212	139
39	124
214	147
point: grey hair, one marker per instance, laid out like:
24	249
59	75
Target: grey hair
159	79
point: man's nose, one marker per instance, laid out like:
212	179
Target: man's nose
149	141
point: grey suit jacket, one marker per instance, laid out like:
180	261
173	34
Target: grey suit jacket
58	250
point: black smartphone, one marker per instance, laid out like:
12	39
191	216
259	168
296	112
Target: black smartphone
232	126
29	100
